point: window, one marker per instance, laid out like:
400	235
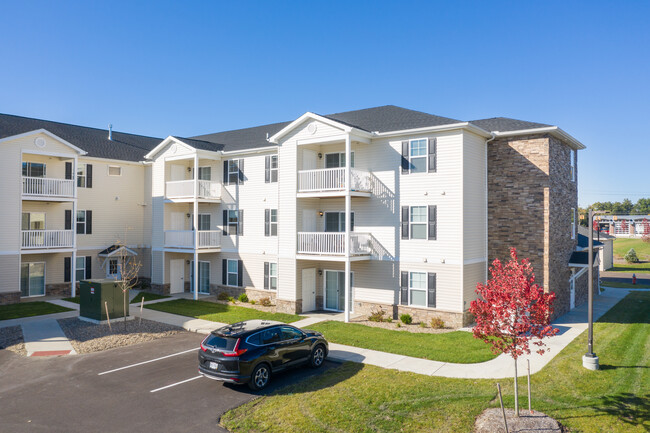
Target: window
290	333
233	221
84	222
205	173
232	273
573	155
418	156
33	169
270	222
270	276
418	289
113	267
204	221
32	279
80	269
233	171
335	221
33	221
573	223
418	222
114	170
270	336
81	175
271	166
335	160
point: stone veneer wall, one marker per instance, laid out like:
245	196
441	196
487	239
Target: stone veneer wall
161	289
59	289
452	319
251	292
9	298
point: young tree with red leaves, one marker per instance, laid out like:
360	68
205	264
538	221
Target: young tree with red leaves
512	311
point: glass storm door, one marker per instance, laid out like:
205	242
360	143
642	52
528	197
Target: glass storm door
32	279
335	290
204	277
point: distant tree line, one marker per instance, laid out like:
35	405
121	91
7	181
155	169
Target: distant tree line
625	207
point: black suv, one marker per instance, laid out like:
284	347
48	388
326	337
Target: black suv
248	352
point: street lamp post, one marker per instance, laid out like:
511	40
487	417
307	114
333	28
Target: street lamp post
589	359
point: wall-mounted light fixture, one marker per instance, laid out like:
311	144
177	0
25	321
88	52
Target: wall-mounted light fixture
187	262
188	215
189	169
320	213
320	155
320	272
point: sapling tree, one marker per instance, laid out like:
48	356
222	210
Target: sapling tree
130	269
513	313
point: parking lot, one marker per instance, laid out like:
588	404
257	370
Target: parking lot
147	387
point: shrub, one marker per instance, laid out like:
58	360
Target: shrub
223	296
253	302
377	316
231	299
243	297
406	319
437	323
646	238
265	302
423	325
631	257
399	324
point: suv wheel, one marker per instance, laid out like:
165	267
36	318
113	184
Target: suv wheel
317	356
260	377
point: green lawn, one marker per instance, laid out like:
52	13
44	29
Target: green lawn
147	297
622	246
457	346
75	299
624	285
358	398
219	312
29	309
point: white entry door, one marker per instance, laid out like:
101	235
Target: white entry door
309	220
176	279
177	221
309	159
178	172
308	289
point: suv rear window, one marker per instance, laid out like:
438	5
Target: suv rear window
220	342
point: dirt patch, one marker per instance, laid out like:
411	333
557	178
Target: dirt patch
88	337
11	338
414	328
491	421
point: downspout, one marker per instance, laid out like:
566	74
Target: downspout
487	259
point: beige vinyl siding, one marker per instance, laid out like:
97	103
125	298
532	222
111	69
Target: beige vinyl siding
54	213
52	145
11	181
301	132
472	274
54	265
10	271
449	295
474	197
253	268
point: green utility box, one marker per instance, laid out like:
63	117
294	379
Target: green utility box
94	293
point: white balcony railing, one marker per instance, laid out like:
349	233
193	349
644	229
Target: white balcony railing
332	243
185	189
47	238
185	238
332	179
47	187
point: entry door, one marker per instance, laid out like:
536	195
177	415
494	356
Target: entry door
573	293
178	172
114	269
204	277
177	221
32	279
308	220
309	159
309	289
335	290
176	279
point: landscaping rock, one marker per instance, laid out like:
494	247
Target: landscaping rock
11	338
491	421
88	337
414	327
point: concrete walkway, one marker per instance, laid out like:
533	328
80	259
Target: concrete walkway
45	338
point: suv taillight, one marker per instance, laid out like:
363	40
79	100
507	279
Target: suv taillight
203	348
236	351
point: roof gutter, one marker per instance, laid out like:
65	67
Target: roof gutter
553	130
461	125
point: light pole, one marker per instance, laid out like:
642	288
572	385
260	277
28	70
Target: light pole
589	359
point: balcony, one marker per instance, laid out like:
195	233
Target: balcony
208	239
46	239
183	190
36	188
330	182
331	246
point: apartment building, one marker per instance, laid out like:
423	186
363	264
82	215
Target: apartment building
378	208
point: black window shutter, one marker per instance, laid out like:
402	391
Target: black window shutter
89	262
241	171
405	222
89	175
89	222
267	169
405	157
433	145
225	222
68	170
404	288
431	290
433	217
67	263
240	273
68	219
352	221
225	172
267	222
266	275
240	223
224	272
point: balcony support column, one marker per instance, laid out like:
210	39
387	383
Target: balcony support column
196	227
73	226
348	212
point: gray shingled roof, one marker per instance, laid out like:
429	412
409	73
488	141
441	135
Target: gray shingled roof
504	124
128	147
581	258
246	138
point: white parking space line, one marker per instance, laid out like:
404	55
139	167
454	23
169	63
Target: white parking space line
177	383
147	362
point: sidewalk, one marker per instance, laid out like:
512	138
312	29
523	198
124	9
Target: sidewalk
45	338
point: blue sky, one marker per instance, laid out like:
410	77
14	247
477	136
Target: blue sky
188	68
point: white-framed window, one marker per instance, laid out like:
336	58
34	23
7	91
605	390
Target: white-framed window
335	221
81	175
274	168
233	171
33	221
418	289
233	222
573	155
205	173
273	276
273	222
114	170
418	222
204	221
34	169
81	222
418	156
232	273
337	159
573	223
113	267
80	268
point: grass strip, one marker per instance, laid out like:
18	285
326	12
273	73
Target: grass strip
29	309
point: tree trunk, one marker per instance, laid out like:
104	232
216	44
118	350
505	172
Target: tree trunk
516	391
124	311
